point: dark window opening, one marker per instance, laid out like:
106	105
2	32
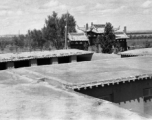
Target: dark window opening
23	63
84	57
65	59
3	66
147	93
43	61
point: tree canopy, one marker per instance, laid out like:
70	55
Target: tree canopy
53	32
54	29
107	39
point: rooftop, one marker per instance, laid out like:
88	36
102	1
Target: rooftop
140	32
93	73
23	96
40	54
121	36
77	37
138	52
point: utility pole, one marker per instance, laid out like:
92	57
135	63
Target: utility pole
66	31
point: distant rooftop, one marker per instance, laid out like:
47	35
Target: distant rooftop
121	36
140	32
138	52
77	37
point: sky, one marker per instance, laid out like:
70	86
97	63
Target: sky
19	16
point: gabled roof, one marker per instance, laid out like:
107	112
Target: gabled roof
77	37
121	36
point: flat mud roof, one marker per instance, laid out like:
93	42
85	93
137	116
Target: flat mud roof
137	52
22	97
92	73
41	54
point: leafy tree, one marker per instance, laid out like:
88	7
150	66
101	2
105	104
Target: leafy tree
107	40
54	29
18	41
35	39
71	23
2	44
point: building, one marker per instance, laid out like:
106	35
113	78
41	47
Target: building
138	38
121	38
140	34
90	34
30	94
27	59
78	41
126	81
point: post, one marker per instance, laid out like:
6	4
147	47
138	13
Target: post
66	37
66	31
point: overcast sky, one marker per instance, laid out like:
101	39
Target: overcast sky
21	15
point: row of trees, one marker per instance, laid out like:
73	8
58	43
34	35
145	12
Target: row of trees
53	32
52	35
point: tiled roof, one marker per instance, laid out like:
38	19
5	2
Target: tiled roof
121	36
77	37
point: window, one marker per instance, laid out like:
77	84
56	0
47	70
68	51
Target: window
147	93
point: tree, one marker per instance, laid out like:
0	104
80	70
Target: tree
18	41
2	44
36	39
71	23
54	29
107	40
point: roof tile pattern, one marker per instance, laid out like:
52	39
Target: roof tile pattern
77	37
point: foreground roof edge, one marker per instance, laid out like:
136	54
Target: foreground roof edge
108	82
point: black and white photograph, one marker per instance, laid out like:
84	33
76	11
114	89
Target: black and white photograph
75	59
